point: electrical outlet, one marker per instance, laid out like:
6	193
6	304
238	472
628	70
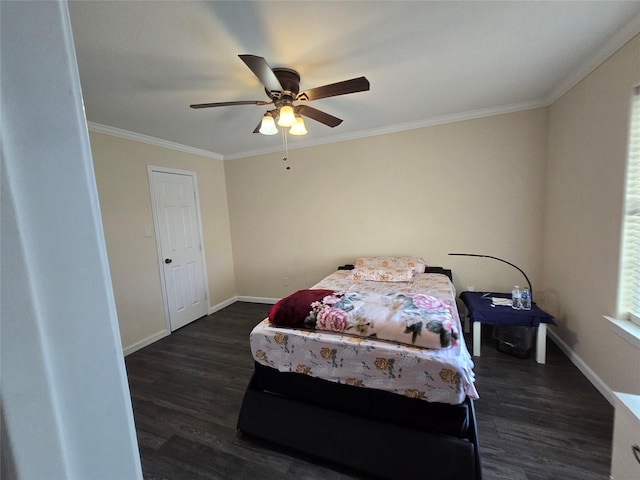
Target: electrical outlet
471	289
285	281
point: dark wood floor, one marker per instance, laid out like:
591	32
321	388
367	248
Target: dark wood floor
535	421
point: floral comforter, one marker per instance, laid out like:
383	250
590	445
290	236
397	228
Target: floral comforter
436	375
412	318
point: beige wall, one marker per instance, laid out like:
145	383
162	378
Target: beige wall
474	186
588	133
125	203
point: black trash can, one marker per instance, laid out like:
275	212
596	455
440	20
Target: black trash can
514	340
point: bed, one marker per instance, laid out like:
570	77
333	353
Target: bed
389	408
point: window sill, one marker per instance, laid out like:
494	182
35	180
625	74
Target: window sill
626	329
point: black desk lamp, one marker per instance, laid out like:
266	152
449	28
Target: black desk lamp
500	260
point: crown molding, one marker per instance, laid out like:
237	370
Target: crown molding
158	142
617	41
400	127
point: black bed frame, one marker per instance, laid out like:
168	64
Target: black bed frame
380	433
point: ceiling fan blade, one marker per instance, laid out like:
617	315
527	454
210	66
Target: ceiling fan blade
262	70
257	129
318	116
354	85
227	104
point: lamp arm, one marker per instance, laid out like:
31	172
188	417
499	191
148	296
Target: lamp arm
500	260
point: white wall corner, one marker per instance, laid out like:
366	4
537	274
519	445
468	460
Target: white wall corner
77	422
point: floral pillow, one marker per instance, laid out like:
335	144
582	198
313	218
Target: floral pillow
417	264
381	274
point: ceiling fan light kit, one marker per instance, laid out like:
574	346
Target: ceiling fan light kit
268	125
282	86
298	128
286	117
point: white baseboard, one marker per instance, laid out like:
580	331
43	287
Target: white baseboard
158	336
143	343
222	305
257	299
239	298
153	338
597	382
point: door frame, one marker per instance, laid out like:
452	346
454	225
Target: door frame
154	213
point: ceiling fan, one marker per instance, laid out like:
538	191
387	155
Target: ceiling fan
282	86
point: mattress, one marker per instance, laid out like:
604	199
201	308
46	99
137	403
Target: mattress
441	375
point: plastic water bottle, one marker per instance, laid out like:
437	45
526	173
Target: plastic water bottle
516	298
526	299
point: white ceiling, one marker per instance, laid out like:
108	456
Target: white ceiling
142	63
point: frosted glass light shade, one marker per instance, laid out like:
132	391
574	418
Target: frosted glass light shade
298	128
268	126
287	117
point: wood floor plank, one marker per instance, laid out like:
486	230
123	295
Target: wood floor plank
535	422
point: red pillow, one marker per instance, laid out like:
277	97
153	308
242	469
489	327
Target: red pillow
292	310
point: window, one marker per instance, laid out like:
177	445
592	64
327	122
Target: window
630	271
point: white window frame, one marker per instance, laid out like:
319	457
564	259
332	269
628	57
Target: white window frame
629	291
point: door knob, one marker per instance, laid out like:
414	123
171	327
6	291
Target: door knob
167	260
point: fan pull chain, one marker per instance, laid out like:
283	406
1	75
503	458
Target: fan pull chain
285	144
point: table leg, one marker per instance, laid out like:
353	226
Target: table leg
467	319
541	343
476	338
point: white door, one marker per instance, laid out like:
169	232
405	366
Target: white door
177	222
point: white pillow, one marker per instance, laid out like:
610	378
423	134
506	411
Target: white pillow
381	274
416	263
